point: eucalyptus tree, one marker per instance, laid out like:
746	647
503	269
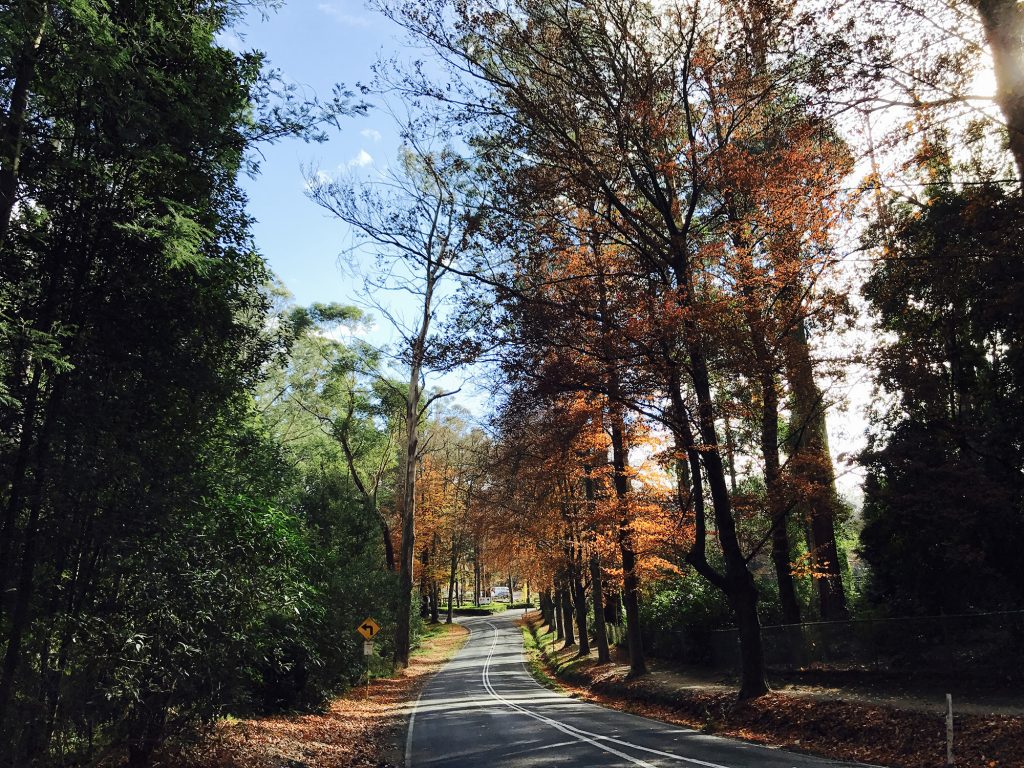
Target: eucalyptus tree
417	220
331	386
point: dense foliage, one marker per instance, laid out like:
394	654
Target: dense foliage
945	491
161	559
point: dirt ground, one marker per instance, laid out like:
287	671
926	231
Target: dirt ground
356	730
869	724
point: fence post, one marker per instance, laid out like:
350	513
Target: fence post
949	729
873	638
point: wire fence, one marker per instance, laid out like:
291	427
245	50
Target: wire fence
989	644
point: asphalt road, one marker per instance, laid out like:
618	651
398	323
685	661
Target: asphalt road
485	710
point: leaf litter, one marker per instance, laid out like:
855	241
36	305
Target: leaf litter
355	730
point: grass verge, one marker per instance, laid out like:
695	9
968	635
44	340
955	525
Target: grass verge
360	729
535	660
486	609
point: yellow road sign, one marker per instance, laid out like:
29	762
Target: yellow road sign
368	628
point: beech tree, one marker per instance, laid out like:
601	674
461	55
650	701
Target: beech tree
336	389
646	112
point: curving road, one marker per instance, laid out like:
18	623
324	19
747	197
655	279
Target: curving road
485	710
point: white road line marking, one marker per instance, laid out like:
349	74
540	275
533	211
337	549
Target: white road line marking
594	738
408	735
568	730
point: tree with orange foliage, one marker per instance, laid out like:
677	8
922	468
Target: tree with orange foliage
448	507
644	118
557	450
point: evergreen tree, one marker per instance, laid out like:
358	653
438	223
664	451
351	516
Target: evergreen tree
945	492
142	546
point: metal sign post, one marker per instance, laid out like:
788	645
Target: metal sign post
368	629
949	729
368	653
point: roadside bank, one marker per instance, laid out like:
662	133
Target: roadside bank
824	724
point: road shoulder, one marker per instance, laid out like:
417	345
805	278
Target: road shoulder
359	729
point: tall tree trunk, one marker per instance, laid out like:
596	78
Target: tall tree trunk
580	603
777	505
737	582
403	638
451	584
812	466
596	588
418	349
476	574
559	613
730	452
563	588
1003	21
389	547
424	599
765	357
620	461
435	600
741	589
25	584
36	14
630	579
596	582
19	479
743	598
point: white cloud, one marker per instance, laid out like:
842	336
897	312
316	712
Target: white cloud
231	41
343	332
370	133
361	160
337	333
341	17
320	178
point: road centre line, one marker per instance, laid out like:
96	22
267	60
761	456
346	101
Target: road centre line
587	736
568	730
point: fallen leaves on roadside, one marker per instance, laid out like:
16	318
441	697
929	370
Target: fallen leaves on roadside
880	735
355	731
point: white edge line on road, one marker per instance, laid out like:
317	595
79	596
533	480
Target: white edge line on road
408	735
653	721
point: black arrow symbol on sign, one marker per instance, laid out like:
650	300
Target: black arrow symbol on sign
368	628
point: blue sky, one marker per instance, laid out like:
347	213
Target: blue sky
315	44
